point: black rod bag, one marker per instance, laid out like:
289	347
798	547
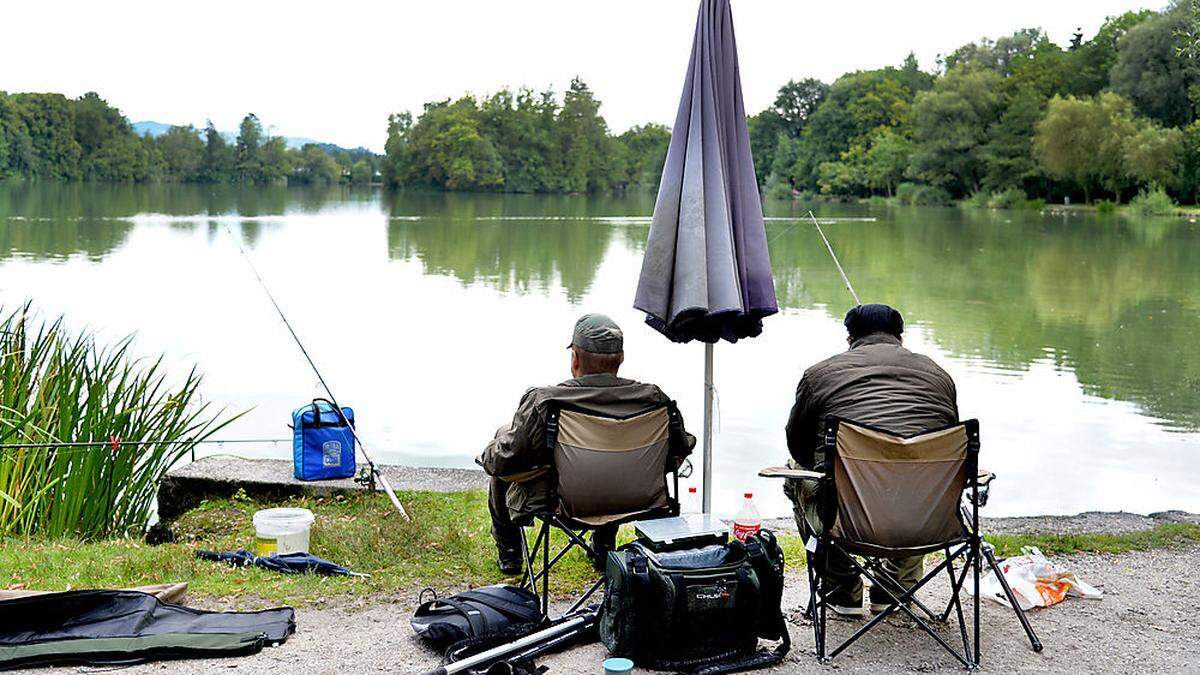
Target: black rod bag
699	610
98	627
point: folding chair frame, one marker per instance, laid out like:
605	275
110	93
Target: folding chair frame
546	522
968	548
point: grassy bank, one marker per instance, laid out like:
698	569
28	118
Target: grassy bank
446	546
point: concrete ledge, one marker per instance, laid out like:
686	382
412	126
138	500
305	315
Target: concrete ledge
271	479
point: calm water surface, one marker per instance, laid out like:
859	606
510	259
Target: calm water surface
1073	339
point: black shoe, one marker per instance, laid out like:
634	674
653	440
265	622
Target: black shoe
509	560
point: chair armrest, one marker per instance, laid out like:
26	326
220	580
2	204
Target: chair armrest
786	472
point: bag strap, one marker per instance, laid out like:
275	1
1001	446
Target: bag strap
475	618
507	607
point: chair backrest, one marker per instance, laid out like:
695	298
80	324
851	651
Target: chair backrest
897	494
607	467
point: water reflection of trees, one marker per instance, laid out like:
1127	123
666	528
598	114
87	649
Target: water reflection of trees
511	242
56	220
1114	299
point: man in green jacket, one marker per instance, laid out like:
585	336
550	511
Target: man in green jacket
517	458
879	383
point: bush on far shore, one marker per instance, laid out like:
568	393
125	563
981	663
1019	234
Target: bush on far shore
915	194
1154	201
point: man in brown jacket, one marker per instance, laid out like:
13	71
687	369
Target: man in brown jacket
517	458
879	383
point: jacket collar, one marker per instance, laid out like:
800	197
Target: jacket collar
875	339
596	380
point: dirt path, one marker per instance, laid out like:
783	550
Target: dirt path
1145	623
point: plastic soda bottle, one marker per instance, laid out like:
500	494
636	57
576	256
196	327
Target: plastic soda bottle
691	503
747	521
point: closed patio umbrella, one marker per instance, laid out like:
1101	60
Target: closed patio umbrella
706	274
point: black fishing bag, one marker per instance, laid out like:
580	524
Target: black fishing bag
701	609
475	613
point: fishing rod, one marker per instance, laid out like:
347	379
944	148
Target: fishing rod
119	443
835	258
375	473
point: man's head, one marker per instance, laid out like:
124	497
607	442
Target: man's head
597	346
865	320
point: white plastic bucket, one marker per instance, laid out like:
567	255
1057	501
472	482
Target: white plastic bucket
282	531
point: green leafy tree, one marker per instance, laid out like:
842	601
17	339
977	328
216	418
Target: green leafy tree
856	105
48	146
1152	154
950	129
1187	180
218	166
645	151
1092	61
796	102
274	162
516	126
886	160
583	142
397	162
1150	72
450	152
765	130
1083	140
315	166
361	172
182	153
1000	56
247	163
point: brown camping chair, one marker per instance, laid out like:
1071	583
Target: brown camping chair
606	471
886	496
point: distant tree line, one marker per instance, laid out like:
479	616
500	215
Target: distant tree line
1016	116
521	142
50	136
1000	121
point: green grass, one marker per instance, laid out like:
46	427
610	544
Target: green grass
1162	536
447	546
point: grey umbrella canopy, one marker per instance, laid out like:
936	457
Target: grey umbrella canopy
706	274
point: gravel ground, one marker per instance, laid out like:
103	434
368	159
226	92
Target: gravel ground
1089	522
1145	623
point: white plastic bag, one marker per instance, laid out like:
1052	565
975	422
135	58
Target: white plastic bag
1035	582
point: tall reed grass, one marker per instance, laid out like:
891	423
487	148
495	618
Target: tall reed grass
58	386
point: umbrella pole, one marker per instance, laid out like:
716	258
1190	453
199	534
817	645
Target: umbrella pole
708	426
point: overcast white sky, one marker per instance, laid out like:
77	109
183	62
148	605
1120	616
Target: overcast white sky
334	70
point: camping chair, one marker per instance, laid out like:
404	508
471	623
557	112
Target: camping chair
605	470
886	496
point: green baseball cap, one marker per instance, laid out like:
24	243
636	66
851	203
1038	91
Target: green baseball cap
598	334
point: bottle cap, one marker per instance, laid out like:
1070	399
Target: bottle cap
749	495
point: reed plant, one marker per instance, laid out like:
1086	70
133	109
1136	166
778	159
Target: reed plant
57	386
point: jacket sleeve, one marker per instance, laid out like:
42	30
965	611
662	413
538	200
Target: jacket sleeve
516	454
802	424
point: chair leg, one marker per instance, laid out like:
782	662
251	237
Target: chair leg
957	604
975	596
1034	642
813	602
546	573
529	555
898	602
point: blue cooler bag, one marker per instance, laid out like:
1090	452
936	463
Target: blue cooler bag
322	441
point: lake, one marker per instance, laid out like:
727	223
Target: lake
1073	338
